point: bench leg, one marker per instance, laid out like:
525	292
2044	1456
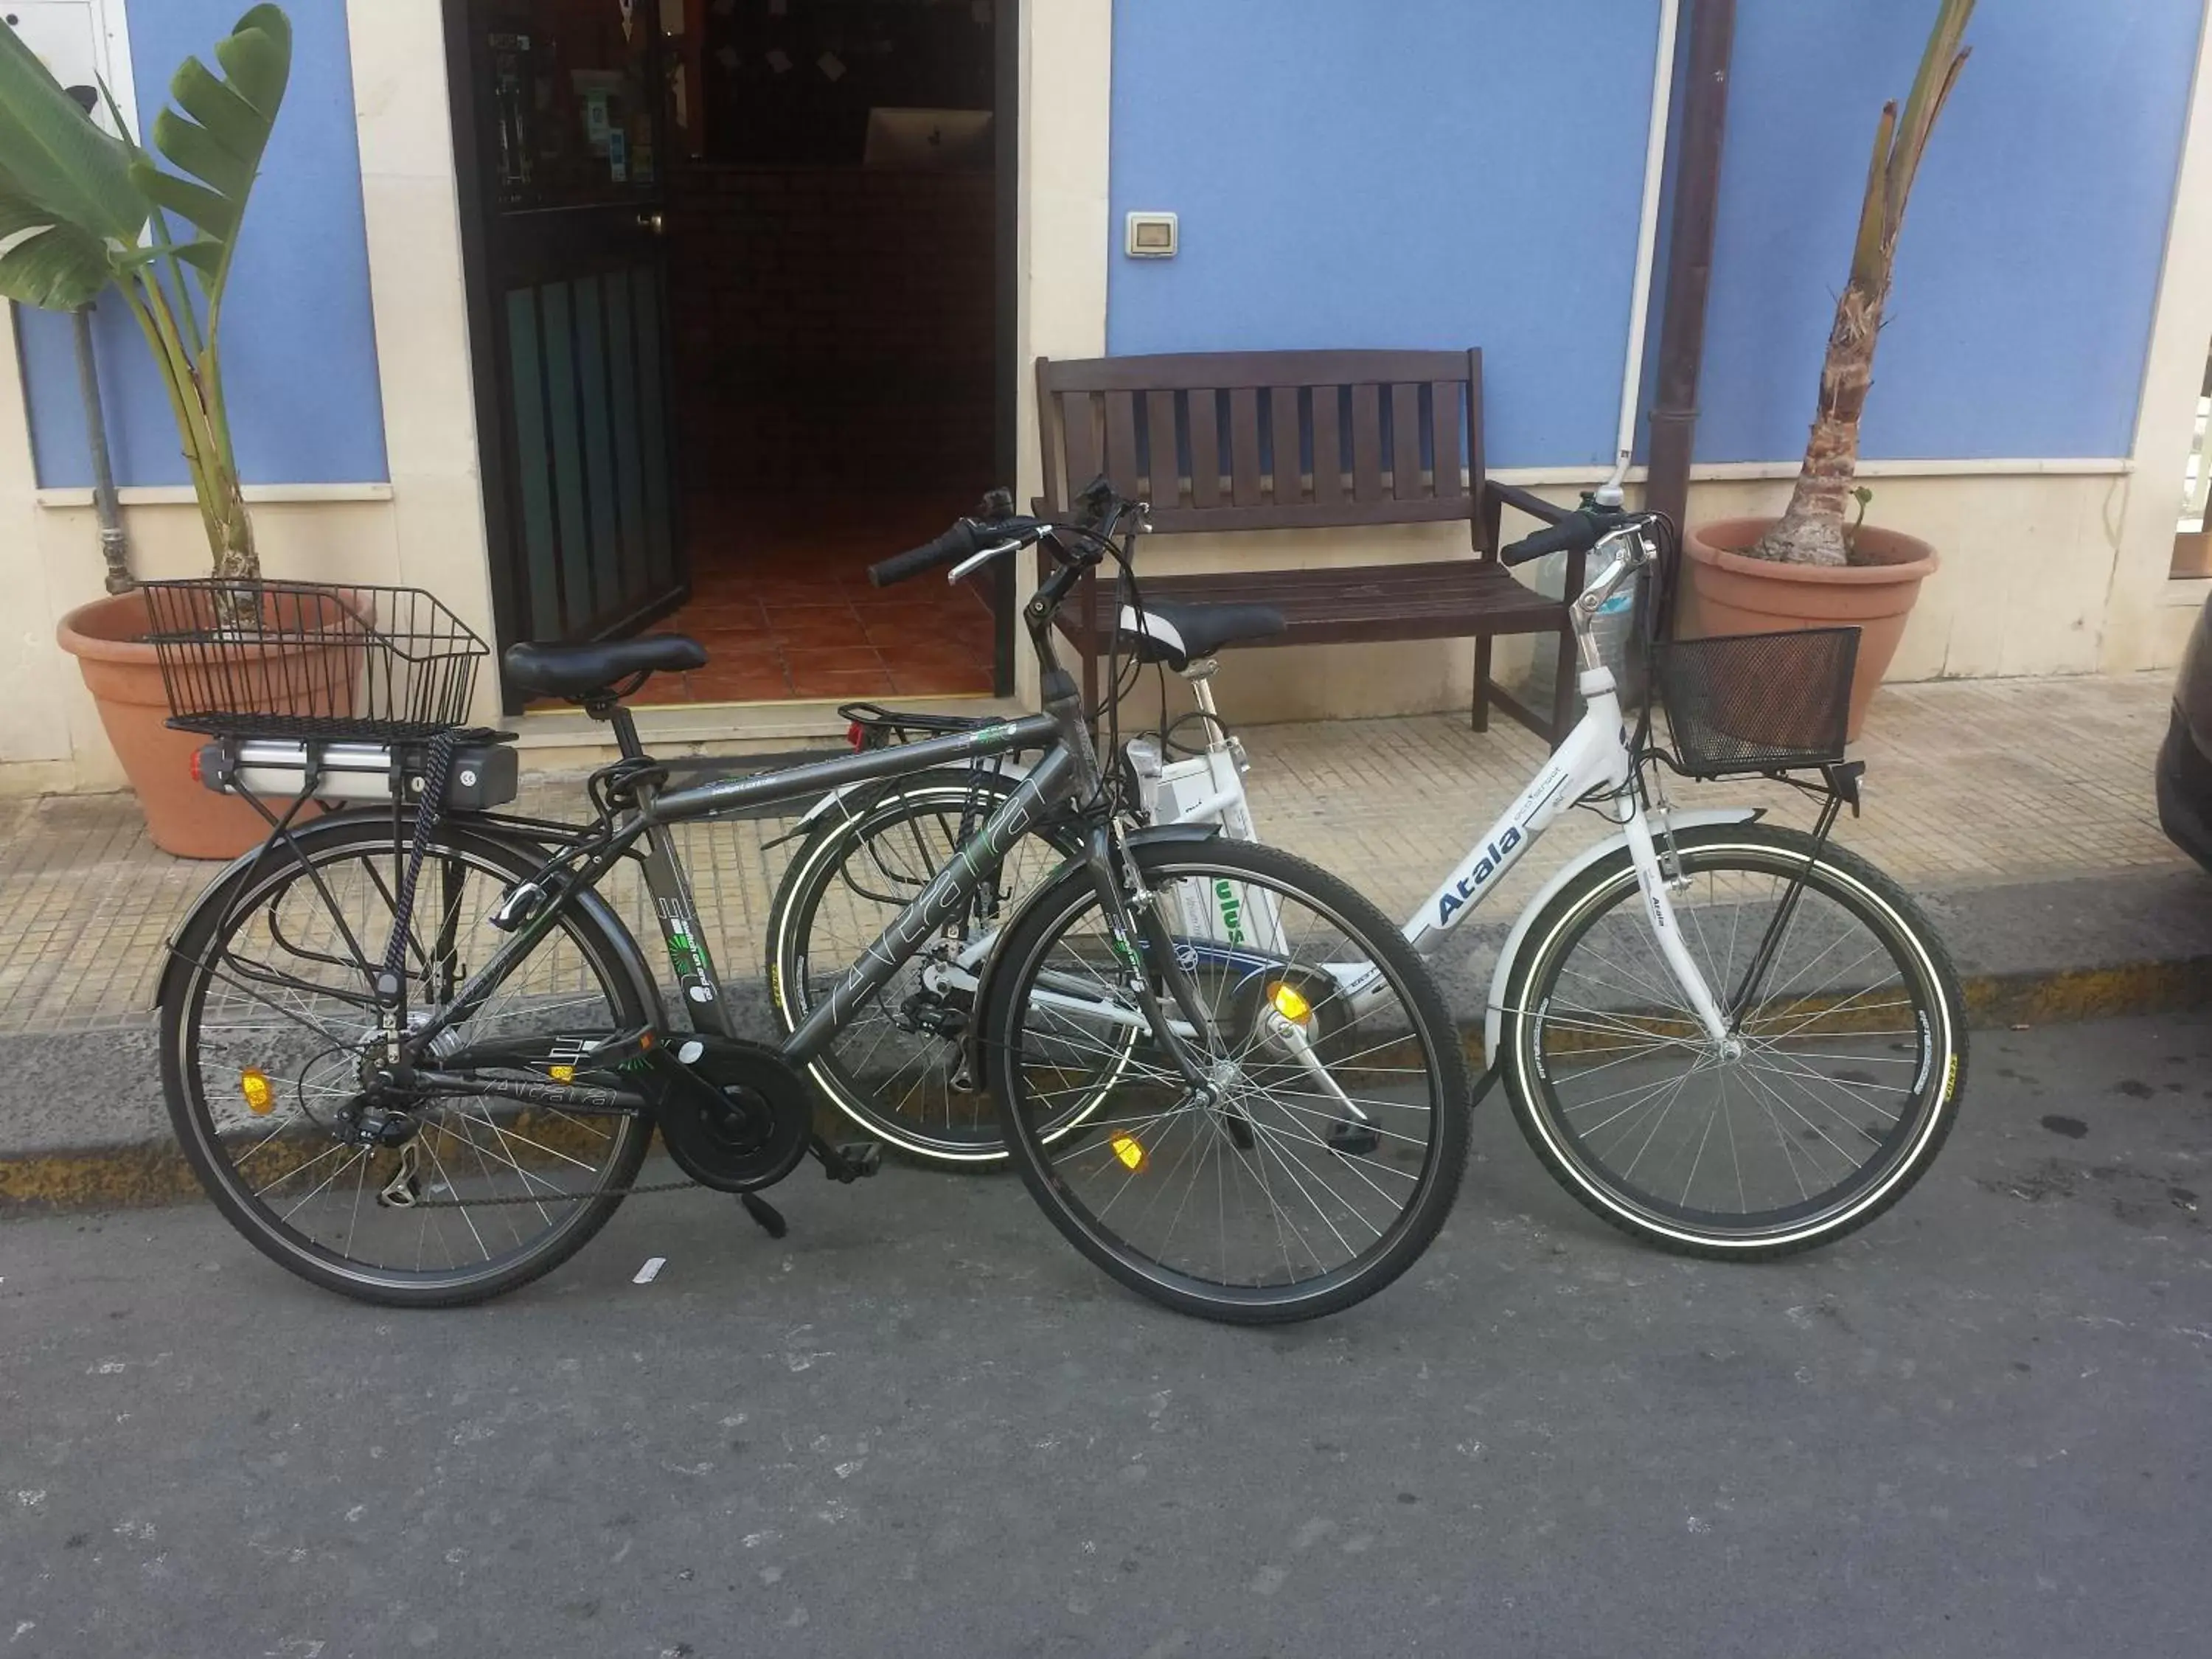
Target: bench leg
1480	718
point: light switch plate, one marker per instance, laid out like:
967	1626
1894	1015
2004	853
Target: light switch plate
1150	236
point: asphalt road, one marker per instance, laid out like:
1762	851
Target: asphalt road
922	1425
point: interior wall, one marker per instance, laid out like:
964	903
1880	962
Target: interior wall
835	329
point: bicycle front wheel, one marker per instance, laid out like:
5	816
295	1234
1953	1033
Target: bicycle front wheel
1842	1078
269	1027
1326	1152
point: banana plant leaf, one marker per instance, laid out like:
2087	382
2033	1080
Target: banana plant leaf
217	135
67	199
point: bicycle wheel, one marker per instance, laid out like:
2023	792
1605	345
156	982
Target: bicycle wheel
1837	1095
267	1022
1332	1152
897	1069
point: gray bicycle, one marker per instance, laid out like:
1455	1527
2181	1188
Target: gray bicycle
416	1058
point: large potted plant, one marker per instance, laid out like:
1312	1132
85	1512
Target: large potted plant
85	214
1809	568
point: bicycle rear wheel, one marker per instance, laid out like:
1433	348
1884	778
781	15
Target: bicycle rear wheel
268	1023
1849	1059
1331	1153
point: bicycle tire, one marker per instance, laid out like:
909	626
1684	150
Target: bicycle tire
254	890
882	833
1047	1166
1790	1125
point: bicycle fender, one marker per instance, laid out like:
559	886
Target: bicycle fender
1493	1013
1155	835
629	958
1011	771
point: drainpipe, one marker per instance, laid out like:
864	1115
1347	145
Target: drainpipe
1647	237
1690	257
114	546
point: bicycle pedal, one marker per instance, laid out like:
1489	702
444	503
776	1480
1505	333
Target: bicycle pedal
856	1160
1354	1140
769	1218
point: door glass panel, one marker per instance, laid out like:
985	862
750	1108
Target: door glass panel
541	549
572	123
600	451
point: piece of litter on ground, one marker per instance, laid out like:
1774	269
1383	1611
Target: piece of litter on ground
651	1270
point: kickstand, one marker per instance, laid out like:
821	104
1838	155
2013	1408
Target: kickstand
769	1218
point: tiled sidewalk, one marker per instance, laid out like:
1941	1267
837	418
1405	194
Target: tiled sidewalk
1968	782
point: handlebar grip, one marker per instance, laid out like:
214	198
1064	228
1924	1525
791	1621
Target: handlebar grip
954	545
1578	532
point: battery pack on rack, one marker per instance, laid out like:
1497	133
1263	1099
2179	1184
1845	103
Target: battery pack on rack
482	776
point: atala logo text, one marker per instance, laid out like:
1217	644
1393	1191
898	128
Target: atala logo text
1492	859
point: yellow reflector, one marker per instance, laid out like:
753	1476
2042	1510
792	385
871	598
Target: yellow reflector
254	1086
564	1074
1290	1005
1130	1150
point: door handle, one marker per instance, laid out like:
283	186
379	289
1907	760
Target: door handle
653	222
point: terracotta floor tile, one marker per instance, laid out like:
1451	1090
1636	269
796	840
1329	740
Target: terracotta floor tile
833	658
843	683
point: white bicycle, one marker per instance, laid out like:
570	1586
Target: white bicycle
1727	1037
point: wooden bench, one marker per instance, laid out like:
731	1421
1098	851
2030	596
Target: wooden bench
1230	441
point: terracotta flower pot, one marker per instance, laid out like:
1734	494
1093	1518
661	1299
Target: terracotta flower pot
107	639
1725	593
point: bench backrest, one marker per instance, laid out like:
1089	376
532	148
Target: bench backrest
1269	440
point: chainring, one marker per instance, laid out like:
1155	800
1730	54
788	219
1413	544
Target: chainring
737	1117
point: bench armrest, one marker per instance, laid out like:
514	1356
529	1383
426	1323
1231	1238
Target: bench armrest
1512	496
1496	495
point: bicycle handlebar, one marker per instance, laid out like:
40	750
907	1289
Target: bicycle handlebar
1579	531
955	544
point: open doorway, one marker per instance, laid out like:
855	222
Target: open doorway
743	264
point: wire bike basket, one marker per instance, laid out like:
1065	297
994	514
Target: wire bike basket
311	660
1759	702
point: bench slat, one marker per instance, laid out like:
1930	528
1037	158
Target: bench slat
1164	465
1283	424
1327	446
1406	442
1122	460
1204	449
1439	600
1080	427
1367	445
1446	397
1244	446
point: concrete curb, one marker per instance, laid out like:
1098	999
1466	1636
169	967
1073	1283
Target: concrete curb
145	1173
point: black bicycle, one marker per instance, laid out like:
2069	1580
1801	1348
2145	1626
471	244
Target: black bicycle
416	1058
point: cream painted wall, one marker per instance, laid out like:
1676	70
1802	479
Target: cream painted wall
2047	569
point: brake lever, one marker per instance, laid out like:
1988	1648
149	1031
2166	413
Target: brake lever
976	561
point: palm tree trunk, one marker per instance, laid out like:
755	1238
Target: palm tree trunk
1811	531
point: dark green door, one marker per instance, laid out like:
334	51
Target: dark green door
570	163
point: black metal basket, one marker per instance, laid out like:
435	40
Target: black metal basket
311	660
1759	702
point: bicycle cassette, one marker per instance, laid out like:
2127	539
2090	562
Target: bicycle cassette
733	1114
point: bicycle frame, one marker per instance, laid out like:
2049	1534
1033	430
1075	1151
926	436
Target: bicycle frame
1067	770
1597	756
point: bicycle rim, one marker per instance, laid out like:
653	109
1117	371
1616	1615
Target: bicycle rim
266	1047
1305	1186
1849	1050
897	1068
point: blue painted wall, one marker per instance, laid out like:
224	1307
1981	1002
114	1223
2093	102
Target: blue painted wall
2021	307
1411	173
1444	172
299	349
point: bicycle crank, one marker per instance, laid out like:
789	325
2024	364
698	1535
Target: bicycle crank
733	1114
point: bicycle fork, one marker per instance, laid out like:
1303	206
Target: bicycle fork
1659	911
